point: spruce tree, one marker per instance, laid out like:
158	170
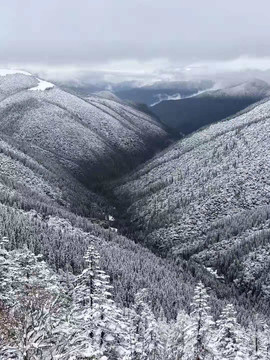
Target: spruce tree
229	343
176	346
98	323
198	333
259	336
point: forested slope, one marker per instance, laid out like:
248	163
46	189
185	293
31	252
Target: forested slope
46	153
206	199
53	141
93	138
55	148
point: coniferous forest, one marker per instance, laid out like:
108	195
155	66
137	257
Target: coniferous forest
156	261
134	180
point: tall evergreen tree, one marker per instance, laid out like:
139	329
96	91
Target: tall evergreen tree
198	334
229	337
99	325
150	342
176	345
259	335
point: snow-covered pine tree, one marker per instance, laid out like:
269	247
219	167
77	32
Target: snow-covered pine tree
153	342
229	341
131	336
163	329
5	274
177	337
150	343
198	333
259	336
99	325
110	321
30	305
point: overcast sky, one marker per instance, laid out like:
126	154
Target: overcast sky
140	37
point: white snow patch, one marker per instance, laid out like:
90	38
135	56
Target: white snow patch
111	218
165	97
4	72
43	85
213	89
214	273
177	96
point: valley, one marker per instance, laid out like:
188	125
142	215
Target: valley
134	180
163	214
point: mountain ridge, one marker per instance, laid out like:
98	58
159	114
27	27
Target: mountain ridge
256	88
114	130
189	114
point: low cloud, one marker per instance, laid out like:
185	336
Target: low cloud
142	39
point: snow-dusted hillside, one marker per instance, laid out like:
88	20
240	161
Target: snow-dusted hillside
251	89
207	199
108	95
92	137
48	140
47	137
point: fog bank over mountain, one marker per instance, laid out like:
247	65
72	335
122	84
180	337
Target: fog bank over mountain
132	73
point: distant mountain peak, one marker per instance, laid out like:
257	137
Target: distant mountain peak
191	113
258	82
252	88
5	72
13	78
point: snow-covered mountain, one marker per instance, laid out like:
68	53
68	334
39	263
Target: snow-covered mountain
48	138
92	137
251	89
206	199
189	114
59	154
